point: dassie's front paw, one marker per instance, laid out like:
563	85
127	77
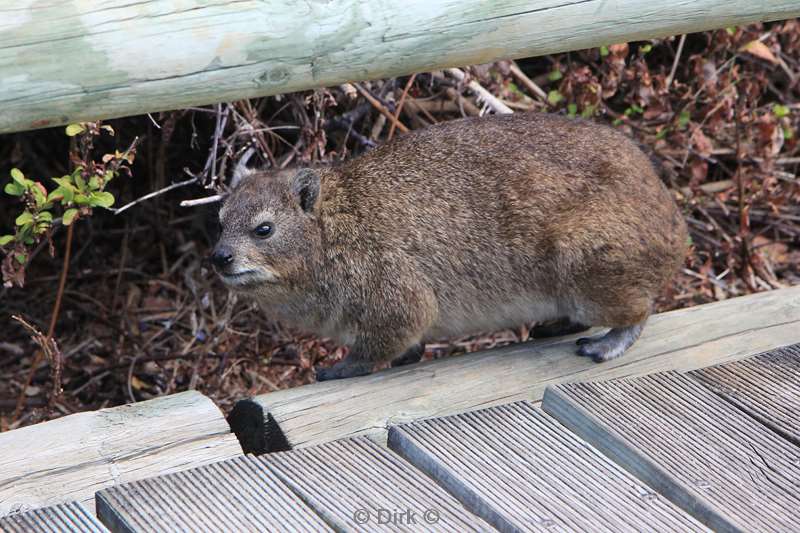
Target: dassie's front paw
611	345
343	369
598	350
410	356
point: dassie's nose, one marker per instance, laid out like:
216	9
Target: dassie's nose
222	256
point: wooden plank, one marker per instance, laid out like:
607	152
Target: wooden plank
722	466
680	340
63	518
766	386
359	486
233	495
72	457
138	57
522	471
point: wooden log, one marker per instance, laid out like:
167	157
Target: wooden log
682	340
76	60
72	457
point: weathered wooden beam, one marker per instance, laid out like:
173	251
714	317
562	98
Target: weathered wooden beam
681	340
72	457
77	60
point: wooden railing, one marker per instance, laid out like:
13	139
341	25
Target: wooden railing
71	60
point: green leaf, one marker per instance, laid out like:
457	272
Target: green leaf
731	30
20	258
662	133
18	176
554	97
75	129
788	133
588	112
81	199
25	218
94	183
101	199
684	118
62	194
781	110
647	48
46	216
5	239
69	216
555	75
572	110
38	196
603	51
80	183
66	181
14	189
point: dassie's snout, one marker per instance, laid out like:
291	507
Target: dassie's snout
222	256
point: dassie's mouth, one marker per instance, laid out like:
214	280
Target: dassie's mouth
246	277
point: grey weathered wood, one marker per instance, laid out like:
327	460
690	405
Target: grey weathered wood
233	495
72	457
358	486
522	471
680	340
69	517
767	386
728	470
65	61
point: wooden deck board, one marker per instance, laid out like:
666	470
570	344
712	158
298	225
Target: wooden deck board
766	386
359	486
522	470
63	518
681	340
72	457
233	495
716	462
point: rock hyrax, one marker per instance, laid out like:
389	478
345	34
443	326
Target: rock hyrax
464	227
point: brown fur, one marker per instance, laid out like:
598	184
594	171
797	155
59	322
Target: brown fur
466	226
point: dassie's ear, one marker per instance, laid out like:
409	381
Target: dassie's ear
240	173
305	188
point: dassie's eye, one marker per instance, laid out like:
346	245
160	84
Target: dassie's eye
263	230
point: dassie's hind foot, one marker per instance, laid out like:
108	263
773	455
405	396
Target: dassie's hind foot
410	356
348	367
611	345
557	328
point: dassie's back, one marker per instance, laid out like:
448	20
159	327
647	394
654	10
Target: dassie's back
485	208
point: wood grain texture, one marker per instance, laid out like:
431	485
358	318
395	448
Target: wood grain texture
72	457
680	340
711	459
75	60
522	471
234	495
69	517
359	486
766	386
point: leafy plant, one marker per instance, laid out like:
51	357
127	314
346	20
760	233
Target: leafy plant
74	197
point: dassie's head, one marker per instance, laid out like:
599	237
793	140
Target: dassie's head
268	231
